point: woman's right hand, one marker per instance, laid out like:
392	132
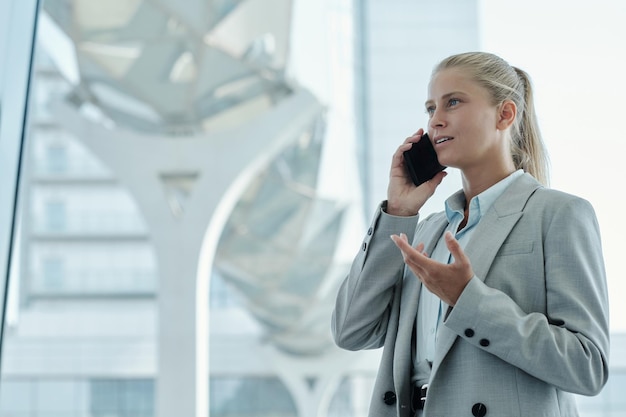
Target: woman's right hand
403	197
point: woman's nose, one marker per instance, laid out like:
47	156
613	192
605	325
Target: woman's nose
436	120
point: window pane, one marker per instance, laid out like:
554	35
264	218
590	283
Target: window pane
122	398
17	398
252	397
139	114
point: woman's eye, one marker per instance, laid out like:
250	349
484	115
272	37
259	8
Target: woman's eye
453	102
430	110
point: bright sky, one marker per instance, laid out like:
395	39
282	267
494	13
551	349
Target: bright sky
574	51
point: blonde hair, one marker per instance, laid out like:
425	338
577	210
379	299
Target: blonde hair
506	82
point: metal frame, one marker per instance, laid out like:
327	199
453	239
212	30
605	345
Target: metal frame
18	26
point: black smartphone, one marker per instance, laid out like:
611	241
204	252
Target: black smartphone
421	161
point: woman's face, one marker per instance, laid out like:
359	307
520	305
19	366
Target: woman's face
462	121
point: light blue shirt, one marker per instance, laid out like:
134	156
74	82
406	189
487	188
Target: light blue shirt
429	312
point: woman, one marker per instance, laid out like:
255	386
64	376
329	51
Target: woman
496	306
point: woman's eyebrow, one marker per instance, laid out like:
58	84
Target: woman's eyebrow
445	96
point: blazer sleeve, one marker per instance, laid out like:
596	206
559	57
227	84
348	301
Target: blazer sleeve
363	304
568	344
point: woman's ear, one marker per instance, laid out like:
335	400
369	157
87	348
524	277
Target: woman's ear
506	114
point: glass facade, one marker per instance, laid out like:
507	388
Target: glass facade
194	182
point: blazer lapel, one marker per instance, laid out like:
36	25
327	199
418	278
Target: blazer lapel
497	223
490	233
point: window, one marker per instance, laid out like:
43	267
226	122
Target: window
55	213
121	398
53	275
56	159
250	397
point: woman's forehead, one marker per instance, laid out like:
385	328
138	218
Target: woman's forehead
451	80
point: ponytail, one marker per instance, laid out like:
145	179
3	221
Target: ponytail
528	150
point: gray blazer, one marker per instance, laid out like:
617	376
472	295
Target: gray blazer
530	328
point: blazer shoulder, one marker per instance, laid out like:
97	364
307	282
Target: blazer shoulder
527	192
557	198
559	207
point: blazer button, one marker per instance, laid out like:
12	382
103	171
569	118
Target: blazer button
389	398
364	246
469	332
484	342
479	410
370	231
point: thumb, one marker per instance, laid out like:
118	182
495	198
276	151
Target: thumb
455	248
461	261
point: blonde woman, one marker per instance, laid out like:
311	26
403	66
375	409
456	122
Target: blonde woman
496	306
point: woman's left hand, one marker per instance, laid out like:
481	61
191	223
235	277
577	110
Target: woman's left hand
446	281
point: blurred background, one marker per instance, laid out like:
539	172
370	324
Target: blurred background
183	185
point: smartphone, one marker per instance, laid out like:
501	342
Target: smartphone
421	161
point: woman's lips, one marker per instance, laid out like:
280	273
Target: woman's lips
442	139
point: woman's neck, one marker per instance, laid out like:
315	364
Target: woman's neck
475	181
